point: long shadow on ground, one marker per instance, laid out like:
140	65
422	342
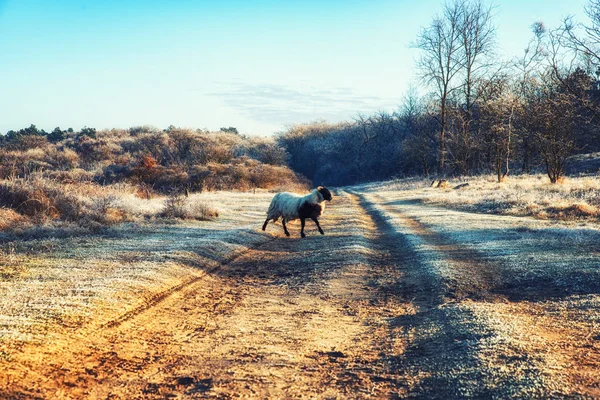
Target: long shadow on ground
451	352
532	264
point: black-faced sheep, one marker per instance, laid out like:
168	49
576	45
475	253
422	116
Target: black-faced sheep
291	206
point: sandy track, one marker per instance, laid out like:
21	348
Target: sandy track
391	302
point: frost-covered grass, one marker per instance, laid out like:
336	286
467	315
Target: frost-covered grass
56	282
574	198
40	207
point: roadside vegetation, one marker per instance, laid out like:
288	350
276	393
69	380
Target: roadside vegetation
87	180
574	199
476	111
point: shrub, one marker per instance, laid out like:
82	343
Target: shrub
76	175
175	207
144	191
574	211
178	206
40	199
104	209
114	173
62	159
173	159
201	211
167	180
10	219
28	142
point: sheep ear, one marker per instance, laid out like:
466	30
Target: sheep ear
319	188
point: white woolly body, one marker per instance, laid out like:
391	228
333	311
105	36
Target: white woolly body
286	205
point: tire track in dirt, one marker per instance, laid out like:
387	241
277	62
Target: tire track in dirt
154	299
312	325
456	348
469	274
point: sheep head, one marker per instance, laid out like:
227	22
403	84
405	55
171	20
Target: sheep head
325	193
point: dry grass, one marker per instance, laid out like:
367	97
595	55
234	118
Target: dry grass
51	284
179	206
40	207
10	219
524	195
40	203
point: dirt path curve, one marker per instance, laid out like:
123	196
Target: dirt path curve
382	306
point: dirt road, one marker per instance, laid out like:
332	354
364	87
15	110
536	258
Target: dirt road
396	300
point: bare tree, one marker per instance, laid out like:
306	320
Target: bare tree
585	38
477	37
498	111
529	67
575	48
551	119
441	62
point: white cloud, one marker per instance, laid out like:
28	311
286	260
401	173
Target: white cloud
281	105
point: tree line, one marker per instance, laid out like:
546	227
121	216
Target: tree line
480	113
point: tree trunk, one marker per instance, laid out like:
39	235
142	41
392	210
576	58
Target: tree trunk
443	138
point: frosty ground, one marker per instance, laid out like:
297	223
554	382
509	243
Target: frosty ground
398	299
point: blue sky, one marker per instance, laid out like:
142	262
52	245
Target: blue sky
255	65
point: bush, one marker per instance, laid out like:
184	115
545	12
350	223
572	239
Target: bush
175	207
76	175
178	206
144	191
40	199
104	210
173	159
114	173
10	219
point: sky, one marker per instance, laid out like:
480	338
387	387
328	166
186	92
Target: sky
258	66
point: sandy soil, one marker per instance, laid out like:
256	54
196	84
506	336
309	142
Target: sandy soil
397	300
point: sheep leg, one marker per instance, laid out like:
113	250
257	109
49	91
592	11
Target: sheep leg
285	227
302	222
265	224
318	226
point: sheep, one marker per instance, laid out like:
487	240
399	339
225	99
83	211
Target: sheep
291	206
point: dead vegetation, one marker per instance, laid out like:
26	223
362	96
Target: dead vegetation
68	182
161	161
38	206
40	199
179	206
572	199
